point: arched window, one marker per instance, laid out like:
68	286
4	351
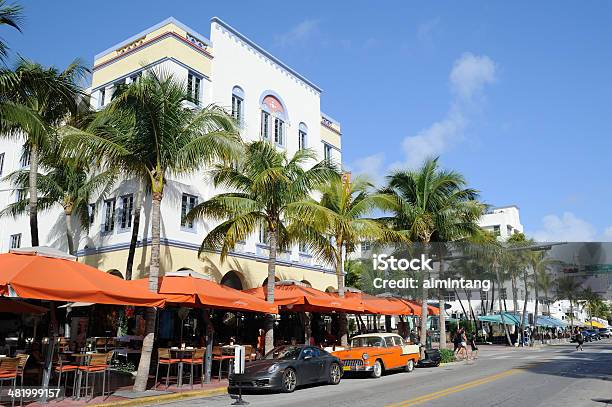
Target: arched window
265	282
238	104
273	119
116	273
232	279
306	283
302	136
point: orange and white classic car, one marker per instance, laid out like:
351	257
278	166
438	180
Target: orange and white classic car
378	352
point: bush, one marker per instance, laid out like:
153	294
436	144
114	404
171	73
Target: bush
447	356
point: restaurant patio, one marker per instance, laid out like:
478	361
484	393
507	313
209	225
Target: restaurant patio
68	325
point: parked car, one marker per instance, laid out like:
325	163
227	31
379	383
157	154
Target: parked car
591	335
605	332
286	367
378	352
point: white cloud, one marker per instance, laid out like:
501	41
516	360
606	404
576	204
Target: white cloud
565	228
434	140
471	73
298	34
608	234
468	78
371	166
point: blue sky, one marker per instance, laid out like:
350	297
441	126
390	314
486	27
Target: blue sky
517	96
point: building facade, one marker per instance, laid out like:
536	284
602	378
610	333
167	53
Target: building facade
503	221
269	100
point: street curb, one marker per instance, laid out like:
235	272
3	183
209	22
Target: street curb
164	398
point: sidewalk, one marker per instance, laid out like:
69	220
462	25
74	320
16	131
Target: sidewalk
125	397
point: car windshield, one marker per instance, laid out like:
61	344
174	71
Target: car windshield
367	341
284	353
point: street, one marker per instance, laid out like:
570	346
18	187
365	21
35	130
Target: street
555	375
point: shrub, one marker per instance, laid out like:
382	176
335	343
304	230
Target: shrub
447	355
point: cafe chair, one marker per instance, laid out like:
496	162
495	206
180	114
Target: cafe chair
63	345
95	365
164	358
220	357
9	372
100	345
61	367
197	359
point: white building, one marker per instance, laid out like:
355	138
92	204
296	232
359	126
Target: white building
503	221
269	99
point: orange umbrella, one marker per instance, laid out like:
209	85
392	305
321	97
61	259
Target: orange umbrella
301	298
20	307
193	291
382	305
431	310
30	275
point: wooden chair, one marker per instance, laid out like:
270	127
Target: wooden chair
95	365
61	367
23	359
164	358
197	359
9	372
219	356
63	345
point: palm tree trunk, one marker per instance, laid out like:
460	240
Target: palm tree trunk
142	377
535	312
514	294
342	319
135	229
33	185
522	325
424	307
499	299
269	322
69	232
442	305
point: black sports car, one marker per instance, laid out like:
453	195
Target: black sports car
286	367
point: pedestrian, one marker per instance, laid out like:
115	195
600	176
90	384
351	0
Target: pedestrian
456	341
463	344
473	346
261	344
580	340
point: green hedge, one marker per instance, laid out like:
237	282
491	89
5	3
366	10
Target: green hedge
447	355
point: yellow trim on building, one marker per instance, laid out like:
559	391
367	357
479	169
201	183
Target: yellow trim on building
251	272
330	137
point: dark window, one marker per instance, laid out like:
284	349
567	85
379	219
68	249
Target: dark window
1	163
193	87
188	202
109	216
389	341
237	108
327	152
278	131
366	246
301	140
92	213
127	206
25	157
16	241
136	76
101	96
265	125
496	230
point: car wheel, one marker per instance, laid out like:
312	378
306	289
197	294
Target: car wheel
335	374
377	370
409	366
289	381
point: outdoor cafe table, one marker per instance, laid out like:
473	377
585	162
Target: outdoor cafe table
181	354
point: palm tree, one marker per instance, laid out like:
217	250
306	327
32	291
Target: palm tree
11	15
34	102
165	136
434	205
338	221
67	183
268	191
568	288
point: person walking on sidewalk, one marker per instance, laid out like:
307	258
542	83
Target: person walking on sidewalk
579	339
473	346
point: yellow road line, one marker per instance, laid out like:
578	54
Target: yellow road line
454	389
